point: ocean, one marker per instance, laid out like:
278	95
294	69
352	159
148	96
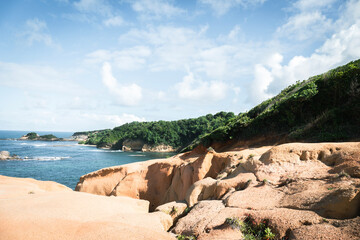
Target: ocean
61	161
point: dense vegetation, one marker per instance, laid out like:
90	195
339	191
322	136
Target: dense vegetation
323	108
177	134
32	135
48	137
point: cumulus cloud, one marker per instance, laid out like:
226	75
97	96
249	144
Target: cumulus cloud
221	7
196	89
341	48
156	9
127	95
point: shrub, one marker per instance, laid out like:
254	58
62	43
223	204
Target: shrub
251	229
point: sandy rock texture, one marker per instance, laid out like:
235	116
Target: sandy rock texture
31	209
301	190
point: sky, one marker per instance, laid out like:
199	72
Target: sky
94	64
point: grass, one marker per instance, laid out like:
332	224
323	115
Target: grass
251	229
184	237
173	211
343	174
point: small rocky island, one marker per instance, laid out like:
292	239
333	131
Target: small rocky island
48	137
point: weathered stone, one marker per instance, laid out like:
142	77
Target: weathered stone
195	221
174	209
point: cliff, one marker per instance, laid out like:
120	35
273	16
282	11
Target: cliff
296	190
324	108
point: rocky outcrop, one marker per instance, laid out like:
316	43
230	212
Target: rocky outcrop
294	188
5	155
158	148
80	137
139	145
133	145
31	209
158	181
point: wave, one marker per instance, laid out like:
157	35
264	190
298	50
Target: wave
136	155
35	144
44	158
103	150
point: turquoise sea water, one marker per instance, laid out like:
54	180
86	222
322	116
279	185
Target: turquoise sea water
61	161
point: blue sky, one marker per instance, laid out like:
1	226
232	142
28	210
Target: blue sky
94	64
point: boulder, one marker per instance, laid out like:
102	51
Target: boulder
329	230
331	198
257	197
201	190
196	220
57	213
4	155
175	209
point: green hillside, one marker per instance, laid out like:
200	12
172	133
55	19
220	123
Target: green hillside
177	134
323	108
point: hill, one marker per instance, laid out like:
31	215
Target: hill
173	135
325	107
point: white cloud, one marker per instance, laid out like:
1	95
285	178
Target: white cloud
262	79
310	22
36	31
132	58
127	95
36	78
196	89
114	21
156	9
175	48
305	5
350	15
94	11
112	120
221	7
342	47
306	25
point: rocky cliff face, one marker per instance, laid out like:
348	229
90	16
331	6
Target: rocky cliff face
139	145
300	191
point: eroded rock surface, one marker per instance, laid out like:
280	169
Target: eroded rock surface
295	188
31	209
